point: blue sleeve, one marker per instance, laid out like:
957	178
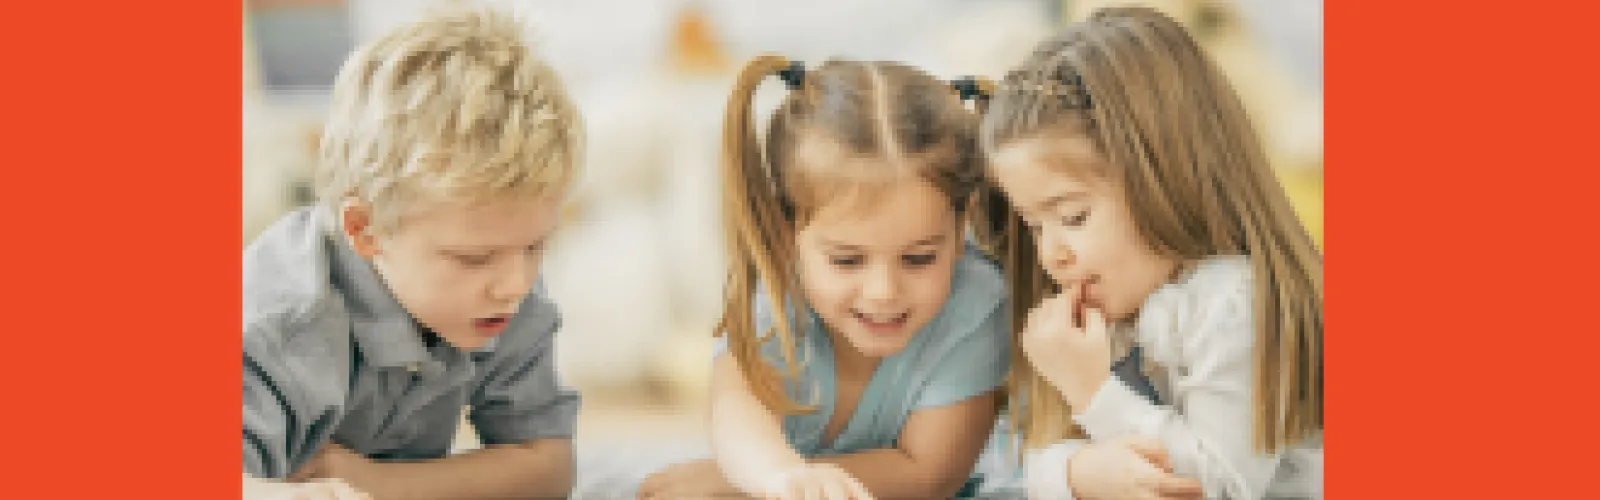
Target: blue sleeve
719	348
974	365
762	315
523	398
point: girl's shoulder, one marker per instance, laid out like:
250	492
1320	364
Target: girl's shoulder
973	313
977	287
1218	275
1213	299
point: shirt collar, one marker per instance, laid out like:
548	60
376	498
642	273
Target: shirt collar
385	333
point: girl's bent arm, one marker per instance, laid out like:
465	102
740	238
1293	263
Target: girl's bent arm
936	453
1211	440
746	437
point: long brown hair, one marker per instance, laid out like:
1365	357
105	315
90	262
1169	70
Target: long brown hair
845	129
1172	132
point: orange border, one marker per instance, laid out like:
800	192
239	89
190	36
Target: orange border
122	202
1459	174
1460	182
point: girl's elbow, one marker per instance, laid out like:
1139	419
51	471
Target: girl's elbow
945	488
943	483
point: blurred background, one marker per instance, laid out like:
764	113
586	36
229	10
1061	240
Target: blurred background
651	78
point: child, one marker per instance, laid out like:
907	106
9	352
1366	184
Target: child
878	379
1184	332
371	320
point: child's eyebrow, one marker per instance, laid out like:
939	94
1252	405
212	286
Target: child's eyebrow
931	240
839	246
1052	201
490	247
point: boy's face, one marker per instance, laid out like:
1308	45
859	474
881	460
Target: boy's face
460	271
877	272
1083	227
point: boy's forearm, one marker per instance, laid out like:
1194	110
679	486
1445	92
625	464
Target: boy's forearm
539	469
893	474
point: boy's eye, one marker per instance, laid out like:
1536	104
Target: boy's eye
845	261
919	260
473	260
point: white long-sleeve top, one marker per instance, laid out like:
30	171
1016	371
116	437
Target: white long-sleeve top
1200	329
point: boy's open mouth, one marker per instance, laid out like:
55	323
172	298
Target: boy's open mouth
492	325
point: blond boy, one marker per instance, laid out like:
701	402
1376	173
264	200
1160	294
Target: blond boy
411	291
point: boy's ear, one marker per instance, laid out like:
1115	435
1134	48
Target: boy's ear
356	221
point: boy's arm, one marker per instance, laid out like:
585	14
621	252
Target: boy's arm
524	415
265	422
937	450
284	415
746	438
526	421
540	468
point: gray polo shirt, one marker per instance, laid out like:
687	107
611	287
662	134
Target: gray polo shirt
330	354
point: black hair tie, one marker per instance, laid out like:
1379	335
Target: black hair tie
968	89
793	75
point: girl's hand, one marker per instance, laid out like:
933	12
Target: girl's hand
697	479
1067	344
1127	468
815	482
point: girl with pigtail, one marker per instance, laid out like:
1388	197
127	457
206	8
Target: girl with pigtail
864	338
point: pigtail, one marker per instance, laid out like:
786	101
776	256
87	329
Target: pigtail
986	209
760	239
990	219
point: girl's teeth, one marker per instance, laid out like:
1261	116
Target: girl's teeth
882	318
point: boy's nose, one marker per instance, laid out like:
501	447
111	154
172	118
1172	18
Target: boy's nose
516	282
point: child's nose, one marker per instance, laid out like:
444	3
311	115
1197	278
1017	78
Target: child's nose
518	279
882	284
1054	252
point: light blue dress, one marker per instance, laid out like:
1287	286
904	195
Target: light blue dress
964	351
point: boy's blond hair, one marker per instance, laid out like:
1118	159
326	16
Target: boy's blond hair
454	107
